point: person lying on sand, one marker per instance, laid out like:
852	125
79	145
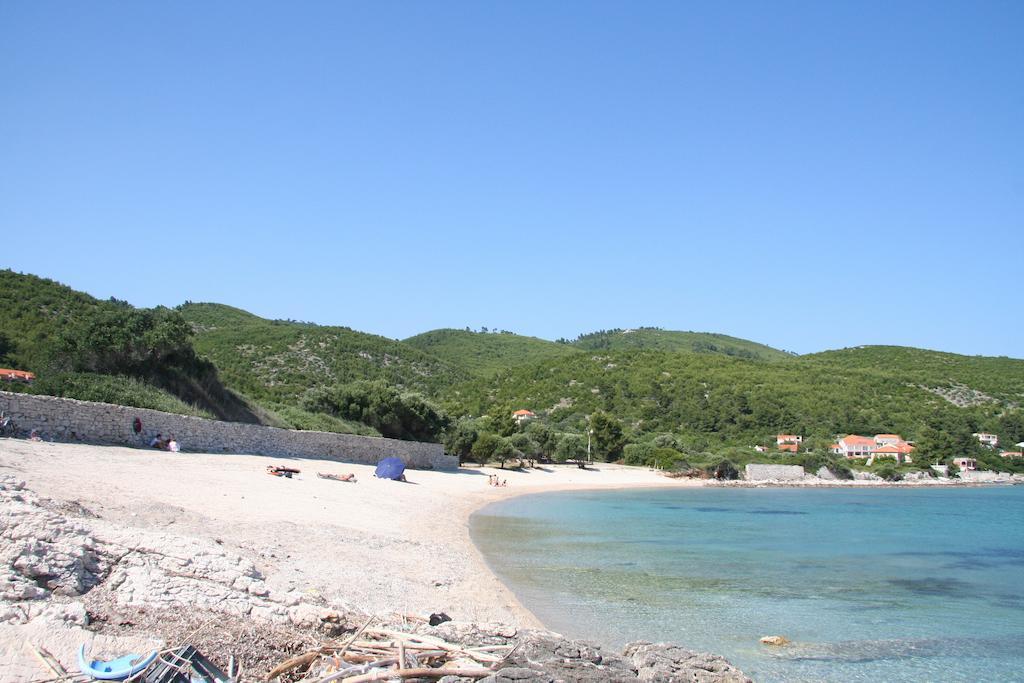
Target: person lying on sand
337	477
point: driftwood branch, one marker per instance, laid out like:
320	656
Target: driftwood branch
417	673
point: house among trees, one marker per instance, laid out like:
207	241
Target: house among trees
881	445
854	446
521	416
986	439
789	442
17	376
1012	454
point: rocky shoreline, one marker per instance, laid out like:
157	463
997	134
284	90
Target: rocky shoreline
71	577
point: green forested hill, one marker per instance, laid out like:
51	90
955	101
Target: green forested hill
85	348
967	380
655	339
727	399
34	310
681	391
278	361
485	353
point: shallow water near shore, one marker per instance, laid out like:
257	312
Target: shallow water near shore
880	584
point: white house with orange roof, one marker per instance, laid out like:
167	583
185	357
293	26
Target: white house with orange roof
1012	454
854	446
521	416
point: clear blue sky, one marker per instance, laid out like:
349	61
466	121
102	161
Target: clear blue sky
810	175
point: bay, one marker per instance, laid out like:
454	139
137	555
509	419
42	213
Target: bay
869	584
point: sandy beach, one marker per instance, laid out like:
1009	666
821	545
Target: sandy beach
373	546
118	534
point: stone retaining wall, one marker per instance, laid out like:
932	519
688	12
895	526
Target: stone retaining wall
65	419
774	472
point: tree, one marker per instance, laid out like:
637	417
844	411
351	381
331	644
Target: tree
1011	428
608	437
639	453
6	348
572	448
543	436
490	446
525	446
120	340
395	415
947	435
460	439
503	451
504	423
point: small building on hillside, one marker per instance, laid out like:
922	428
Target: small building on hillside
1012	454
986	439
789	447
760	449
788	438
854	446
966	463
521	416
17	376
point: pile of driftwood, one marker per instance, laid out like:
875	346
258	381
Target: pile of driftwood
379	654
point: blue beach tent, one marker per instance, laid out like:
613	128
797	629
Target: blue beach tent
390	468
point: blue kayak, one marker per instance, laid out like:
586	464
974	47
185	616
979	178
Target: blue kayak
116	669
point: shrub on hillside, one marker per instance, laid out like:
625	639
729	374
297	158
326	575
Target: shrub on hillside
639	454
115	389
378	405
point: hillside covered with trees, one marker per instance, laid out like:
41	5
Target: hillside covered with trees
648	396
485	353
657	339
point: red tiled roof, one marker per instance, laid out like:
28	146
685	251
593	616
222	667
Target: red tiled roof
523	412
6	373
855	440
901	448
788	447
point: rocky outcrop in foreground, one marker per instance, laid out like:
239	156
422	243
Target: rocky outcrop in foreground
68	577
545	657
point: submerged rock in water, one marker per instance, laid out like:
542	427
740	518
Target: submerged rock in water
775	640
665	662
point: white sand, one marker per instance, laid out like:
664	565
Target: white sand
375	546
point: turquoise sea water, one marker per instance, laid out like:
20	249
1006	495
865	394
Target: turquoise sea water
871	585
